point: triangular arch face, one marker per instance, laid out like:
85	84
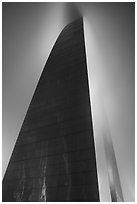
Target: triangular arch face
54	156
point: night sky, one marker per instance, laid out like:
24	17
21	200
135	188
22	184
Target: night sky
29	31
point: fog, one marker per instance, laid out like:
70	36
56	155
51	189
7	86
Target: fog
29	32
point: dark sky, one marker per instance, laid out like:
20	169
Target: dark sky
29	31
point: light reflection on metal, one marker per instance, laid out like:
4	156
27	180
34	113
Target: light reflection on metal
64	156
108	175
113	174
43	192
20	188
114	180
44	168
68	182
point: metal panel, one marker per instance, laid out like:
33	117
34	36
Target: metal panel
54	156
